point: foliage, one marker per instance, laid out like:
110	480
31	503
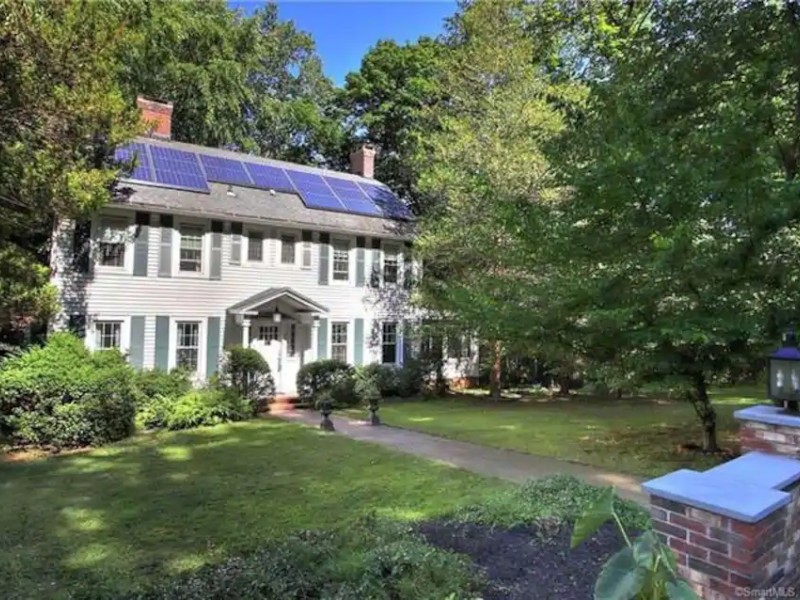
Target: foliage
157	382
386	377
328	374
204	407
152	411
61	395
246	372
61	114
374	559
560	497
367	389
645	568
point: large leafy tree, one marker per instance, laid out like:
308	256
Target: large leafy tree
680	243
61	114
390	102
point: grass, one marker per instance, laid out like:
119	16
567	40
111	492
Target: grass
119	517
638	436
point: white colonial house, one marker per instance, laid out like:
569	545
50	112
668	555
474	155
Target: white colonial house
207	248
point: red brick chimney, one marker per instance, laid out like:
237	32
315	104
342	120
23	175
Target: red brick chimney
157	116
362	161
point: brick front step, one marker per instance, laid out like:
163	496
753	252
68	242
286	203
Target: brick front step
283	403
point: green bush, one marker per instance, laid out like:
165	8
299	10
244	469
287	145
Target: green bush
327	374
410	378
61	395
367	390
206	407
384	376
369	559
151	412
153	383
246	372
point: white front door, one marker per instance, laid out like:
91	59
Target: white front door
278	344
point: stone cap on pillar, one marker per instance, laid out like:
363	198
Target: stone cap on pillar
765	413
747	489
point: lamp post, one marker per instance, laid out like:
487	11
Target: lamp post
784	374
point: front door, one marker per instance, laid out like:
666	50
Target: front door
277	343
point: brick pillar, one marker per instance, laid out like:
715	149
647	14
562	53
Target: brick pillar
769	429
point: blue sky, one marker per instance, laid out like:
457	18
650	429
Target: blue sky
345	30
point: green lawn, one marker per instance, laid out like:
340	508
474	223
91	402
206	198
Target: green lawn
641	436
163	504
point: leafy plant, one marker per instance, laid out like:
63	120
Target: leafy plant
645	569
327	374
368	391
157	382
206	407
245	371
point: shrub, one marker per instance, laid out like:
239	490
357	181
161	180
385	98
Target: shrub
155	383
62	395
206	407
245	371
367	390
151	412
328	374
410	378
384	376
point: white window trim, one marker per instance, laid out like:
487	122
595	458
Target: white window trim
205	249
397	247
246	246
310	246
127	266
350	274
298	249
124	334
349	346
201	349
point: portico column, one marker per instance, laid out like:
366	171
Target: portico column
314	339
246	333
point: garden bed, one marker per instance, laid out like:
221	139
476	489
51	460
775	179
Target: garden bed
524	562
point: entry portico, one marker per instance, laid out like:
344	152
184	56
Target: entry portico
283	325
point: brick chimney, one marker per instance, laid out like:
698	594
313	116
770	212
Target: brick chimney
362	161
157	116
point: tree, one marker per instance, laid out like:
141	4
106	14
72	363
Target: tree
492	182
390	102
61	115
680	244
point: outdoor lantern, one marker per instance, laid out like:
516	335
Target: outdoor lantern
276	316
784	374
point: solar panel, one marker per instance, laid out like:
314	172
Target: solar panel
314	191
269	178
352	197
225	170
386	201
178	168
138	153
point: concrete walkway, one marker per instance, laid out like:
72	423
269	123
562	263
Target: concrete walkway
504	464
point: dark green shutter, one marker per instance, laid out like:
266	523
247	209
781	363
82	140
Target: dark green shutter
358	341
165	249
136	350
322	339
307	239
236	243
408	267
162	343
140	244
324	255
360	257
77	325
375	277
215	272
82	245
407	352
212	346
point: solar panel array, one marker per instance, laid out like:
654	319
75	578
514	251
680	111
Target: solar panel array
159	165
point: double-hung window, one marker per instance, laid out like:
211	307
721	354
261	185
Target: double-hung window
389	342
191	250
187	349
391	265
339	341
288	243
111	247
255	246
108	334
341	260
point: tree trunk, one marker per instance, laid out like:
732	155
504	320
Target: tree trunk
563	385
495	374
706	413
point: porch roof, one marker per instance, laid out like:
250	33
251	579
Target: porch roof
251	304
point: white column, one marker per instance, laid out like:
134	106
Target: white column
246	333
314	339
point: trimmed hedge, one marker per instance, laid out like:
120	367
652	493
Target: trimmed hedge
245	371
332	375
61	395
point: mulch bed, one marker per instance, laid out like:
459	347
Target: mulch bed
528	562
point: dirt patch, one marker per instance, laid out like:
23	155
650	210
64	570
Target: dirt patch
528	562
22	455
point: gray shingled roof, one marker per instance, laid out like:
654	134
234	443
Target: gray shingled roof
251	204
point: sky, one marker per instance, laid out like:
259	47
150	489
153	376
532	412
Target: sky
345	30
